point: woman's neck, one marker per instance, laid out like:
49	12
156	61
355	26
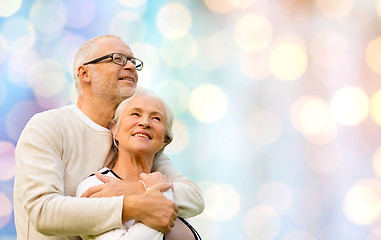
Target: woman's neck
129	166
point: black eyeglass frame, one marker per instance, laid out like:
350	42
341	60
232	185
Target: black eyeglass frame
138	67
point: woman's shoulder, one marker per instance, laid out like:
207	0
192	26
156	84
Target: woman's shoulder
91	181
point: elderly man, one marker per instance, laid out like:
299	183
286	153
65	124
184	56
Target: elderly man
60	147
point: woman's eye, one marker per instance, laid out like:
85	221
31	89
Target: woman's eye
157	118
135	114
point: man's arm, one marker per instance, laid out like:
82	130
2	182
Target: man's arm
39	187
186	194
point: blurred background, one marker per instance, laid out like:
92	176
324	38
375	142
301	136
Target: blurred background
277	103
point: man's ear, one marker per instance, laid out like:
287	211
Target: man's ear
83	74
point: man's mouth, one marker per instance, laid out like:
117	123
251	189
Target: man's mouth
142	135
127	79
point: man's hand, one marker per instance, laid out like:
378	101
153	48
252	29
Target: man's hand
113	187
152	208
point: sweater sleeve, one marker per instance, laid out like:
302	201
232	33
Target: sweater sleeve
137	231
186	194
40	178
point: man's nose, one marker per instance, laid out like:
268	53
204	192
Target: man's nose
130	65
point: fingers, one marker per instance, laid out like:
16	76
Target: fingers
162	187
91	191
103	177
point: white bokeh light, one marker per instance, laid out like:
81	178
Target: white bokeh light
288	61
170	49
132	34
298	235
174	20
151	62
255	65
276	195
44	9
133	3
253	32
375	108
5	210
335	8
262	223
208	103
47	77
8	8
323	159
362	203
23	39
350	105
21	61
222	201
180	138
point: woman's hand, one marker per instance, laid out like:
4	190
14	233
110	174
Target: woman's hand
153	178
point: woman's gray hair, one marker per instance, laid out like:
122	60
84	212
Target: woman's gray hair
86	53
139	91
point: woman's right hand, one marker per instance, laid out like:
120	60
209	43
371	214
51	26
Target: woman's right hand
153	178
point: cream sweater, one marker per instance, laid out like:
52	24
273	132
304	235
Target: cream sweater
55	152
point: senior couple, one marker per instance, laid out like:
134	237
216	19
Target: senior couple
117	132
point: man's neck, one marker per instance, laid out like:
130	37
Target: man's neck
100	111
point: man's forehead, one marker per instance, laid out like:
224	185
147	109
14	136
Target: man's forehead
113	44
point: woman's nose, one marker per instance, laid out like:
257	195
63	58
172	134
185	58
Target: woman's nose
144	123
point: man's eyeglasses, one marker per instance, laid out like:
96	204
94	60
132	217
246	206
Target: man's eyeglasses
119	59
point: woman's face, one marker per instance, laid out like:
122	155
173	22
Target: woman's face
142	126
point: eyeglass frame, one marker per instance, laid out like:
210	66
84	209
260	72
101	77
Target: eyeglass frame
111	55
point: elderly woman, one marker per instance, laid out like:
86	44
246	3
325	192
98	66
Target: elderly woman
141	128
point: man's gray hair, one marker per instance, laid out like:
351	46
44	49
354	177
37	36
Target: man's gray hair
85	53
139	91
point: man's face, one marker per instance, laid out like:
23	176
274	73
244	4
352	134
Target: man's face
109	80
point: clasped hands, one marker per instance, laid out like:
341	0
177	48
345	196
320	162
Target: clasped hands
150	207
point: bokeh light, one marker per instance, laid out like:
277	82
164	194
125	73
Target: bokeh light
19	41
76	17
45	9
221	200
174	20
350	105
180	138
362	203
3	48
133	3
298	235
208	103
5	210
306	206
312	116
151	59
175	94
253	32
255	65
220	6
288	61
322	158
335	8
170	48
377	162
262	223
375	107
329	43
276	195
7	163
132	34
9	8
373	57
